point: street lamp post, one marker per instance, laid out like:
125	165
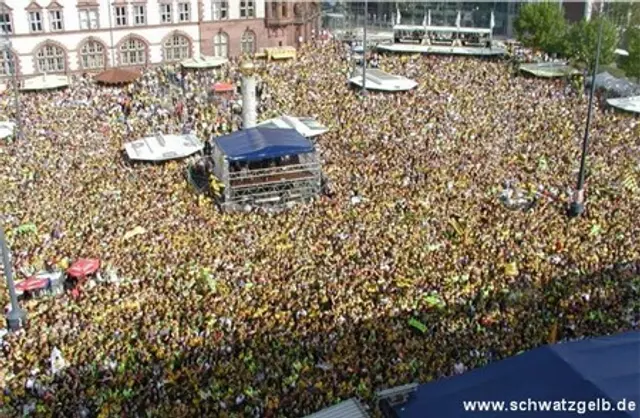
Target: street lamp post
576	208
16	317
364	49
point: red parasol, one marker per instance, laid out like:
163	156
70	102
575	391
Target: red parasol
221	87
32	284
84	267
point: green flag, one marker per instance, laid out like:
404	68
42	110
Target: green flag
418	325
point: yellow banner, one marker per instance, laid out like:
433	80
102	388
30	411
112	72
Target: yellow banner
279	53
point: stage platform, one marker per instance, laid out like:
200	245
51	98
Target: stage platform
443	50
272	178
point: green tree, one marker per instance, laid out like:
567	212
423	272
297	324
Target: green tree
542	26
583	42
624	14
632	62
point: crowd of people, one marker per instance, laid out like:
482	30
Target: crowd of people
262	314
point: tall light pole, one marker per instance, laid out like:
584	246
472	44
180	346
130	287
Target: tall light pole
11	61
364	49
16	317
113	57
576	208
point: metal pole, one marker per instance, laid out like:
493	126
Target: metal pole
11	60
16	94
577	206
364	49
113	59
16	317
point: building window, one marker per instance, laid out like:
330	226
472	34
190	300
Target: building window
139	14
133	52
166	13
247	43
285	10
176	48
121	15
35	21
220	45
6	63
50	59
184	12
5	21
247	9
92	55
220	10
88	19
55	20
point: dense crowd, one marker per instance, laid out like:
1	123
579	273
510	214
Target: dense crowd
448	206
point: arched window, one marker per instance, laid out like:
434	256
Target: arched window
92	55
220	45
176	48
7	65
51	59
133	52
248	42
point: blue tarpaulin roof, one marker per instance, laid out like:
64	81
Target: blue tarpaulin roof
586	370
259	144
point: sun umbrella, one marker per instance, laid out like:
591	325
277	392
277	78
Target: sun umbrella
84	267
221	87
117	76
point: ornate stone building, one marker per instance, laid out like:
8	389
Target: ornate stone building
66	36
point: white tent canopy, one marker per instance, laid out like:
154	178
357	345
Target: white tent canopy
350	408
621	52
379	80
629	104
163	147
203	62
7	129
45	82
308	127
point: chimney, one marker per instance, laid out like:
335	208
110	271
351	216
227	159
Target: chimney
249	100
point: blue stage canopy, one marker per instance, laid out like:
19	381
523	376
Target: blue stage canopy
587	370
259	144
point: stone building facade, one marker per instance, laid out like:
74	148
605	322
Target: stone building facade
69	36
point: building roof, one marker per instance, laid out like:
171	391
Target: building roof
348	409
263	143
586	370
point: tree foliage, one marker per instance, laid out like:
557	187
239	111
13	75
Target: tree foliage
632	62
541	25
624	14
583	41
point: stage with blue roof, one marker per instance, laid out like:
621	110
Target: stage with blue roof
265	166
259	144
606	368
